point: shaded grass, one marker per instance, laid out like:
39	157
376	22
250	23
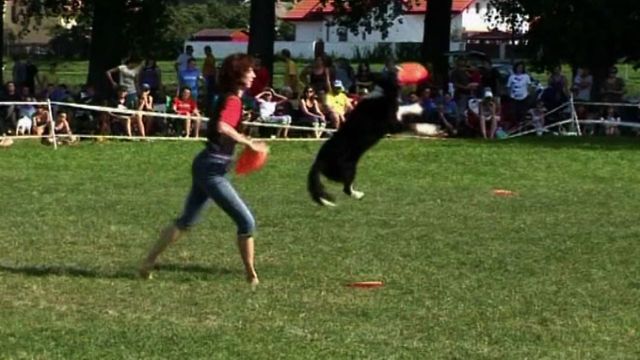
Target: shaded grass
550	273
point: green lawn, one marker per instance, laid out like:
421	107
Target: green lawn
552	273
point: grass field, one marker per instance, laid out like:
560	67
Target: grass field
551	273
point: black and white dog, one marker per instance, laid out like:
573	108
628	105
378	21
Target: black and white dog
375	116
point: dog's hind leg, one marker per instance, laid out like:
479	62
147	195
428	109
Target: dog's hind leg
349	176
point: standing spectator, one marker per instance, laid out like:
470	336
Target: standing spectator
183	58
31	73
128	76
9	113
317	75
490	78
290	72
185	105
262	80
19	72
268	102
49	78
151	75
518	85
582	85
190	78
612	89
345	73
557	91
209	73
462	85
475	79
389	69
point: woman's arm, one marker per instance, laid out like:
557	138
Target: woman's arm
110	72
230	131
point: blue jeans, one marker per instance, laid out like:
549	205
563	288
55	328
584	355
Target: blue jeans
209	182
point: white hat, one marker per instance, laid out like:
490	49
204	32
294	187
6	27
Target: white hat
338	84
488	93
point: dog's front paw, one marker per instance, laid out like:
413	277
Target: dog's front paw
326	202
357	194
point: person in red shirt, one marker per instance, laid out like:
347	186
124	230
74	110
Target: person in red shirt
262	80
185	105
211	165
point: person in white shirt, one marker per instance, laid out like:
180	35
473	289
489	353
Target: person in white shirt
268	100
183	59
518	85
582	85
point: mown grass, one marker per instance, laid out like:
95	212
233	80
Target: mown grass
551	273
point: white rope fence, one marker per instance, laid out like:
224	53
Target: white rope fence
53	136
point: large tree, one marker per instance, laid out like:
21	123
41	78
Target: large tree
262	25
592	33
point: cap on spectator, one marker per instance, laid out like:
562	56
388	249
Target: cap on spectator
488	93
338	84
146	86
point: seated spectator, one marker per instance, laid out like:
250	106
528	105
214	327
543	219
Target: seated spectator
450	107
268	102
537	114
427	102
41	121
339	103
84	120
185	105
364	77
488	113
413	98
121	102
445	121
612	116
310	113
62	127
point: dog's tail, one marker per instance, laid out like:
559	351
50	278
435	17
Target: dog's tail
316	189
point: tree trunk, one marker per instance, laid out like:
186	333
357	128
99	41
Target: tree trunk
262	24
436	39
2	2
108	45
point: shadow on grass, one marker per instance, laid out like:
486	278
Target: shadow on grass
196	270
65	270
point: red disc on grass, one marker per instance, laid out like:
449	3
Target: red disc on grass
410	73
250	161
503	192
366	284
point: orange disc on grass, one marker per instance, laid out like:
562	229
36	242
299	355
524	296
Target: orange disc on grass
410	73
250	161
366	284
503	192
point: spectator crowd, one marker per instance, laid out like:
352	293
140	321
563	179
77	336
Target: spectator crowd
479	101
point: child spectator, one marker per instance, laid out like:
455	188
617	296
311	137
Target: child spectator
339	103
185	105
62	127
268	102
121	102
145	103
488	113
537	116
612	117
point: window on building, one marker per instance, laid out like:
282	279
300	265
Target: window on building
342	34
478	7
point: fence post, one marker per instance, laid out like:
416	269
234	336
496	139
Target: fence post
52	131
574	116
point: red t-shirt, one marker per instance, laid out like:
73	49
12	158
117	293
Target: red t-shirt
232	111
230	114
184	107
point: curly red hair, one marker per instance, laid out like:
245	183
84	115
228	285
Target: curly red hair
233	69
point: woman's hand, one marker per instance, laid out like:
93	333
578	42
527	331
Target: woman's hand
258	146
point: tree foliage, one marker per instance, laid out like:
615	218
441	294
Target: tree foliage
593	33
367	15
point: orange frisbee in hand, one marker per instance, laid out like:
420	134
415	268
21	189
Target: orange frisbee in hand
410	73
250	161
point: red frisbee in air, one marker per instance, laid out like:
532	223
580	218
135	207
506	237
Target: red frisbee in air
410	73
366	284
250	161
